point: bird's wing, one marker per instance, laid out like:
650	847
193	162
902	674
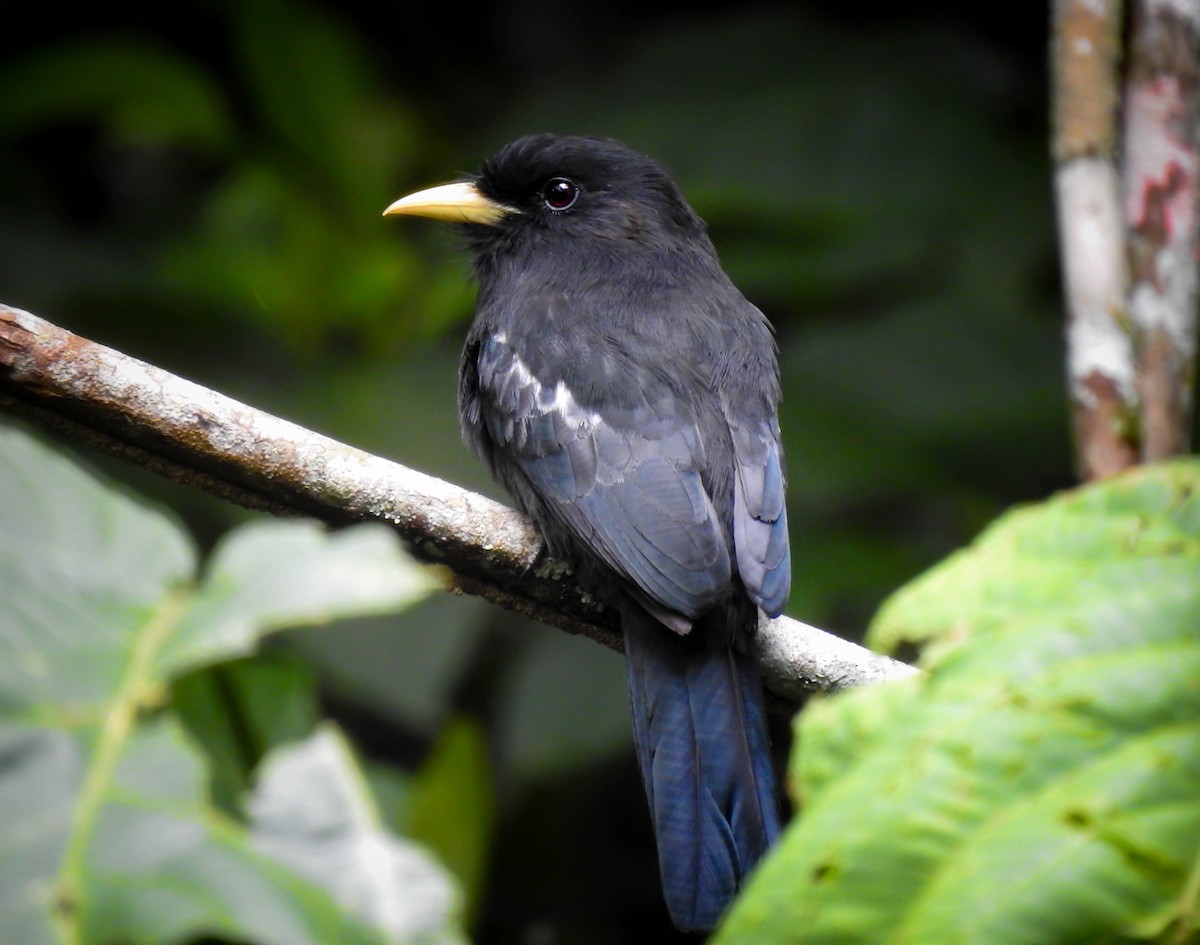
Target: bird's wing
760	532
624	481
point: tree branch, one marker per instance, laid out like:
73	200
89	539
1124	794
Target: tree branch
1161	171
87	392
1100	354
1130	233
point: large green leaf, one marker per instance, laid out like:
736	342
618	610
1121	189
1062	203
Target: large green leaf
1041	784
150	862
314	811
270	575
42	772
87	573
109	833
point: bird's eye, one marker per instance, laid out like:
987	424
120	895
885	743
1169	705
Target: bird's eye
560	194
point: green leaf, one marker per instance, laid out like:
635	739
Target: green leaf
238	711
42	771
108	833
272	575
452	804
1039	784
87	572
147	862
314	812
1085	552
160	866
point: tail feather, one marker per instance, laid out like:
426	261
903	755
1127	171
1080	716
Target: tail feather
700	729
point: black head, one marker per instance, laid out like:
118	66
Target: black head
595	186
564	188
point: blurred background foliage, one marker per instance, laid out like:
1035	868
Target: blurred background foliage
200	185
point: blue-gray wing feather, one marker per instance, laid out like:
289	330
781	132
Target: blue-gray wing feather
627	482
760	532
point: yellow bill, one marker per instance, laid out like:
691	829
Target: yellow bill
460	202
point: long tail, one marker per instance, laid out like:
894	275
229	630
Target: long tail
700	729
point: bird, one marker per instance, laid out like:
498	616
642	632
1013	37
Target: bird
626	394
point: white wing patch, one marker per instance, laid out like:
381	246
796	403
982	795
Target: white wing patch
560	400
626	483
